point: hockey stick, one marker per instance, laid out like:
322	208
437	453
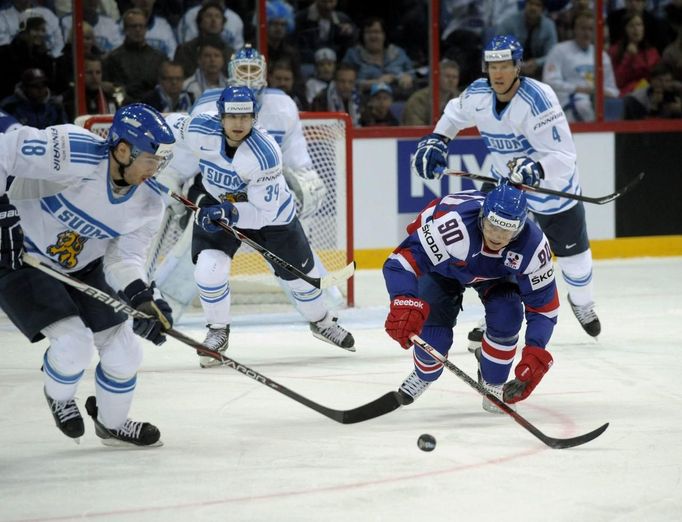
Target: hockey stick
384	404
327	281
541	190
549	441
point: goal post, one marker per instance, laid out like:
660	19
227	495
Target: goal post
329	229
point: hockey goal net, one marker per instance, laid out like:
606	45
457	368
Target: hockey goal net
329	229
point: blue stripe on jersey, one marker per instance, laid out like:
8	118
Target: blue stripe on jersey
155	186
479	86
283	206
263	150
278	135
533	96
507	143
210	95
75	218
87	149
206	124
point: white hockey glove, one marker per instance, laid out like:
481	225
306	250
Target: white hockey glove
308	188
171	178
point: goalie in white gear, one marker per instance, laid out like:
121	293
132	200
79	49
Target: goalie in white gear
241	184
278	114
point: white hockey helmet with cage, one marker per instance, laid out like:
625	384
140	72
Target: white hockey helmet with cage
247	67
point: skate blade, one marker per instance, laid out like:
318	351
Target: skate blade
116	443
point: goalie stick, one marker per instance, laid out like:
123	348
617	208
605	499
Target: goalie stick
541	190
384	404
549	441
327	281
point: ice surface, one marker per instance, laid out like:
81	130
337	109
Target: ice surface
236	450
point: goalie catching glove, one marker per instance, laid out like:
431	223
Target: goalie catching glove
534	364
141	297
308	189
405	318
11	235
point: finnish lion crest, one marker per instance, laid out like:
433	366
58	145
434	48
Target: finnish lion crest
69	244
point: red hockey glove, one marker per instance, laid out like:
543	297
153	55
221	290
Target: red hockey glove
406	317
534	364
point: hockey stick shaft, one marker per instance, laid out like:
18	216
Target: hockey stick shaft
549	441
384	404
600	200
329	280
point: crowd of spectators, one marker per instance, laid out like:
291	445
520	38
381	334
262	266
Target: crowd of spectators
369	59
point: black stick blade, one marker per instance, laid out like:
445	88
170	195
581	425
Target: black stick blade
378	407
574	441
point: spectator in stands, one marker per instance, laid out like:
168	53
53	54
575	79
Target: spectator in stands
99	96
159	35
672	55
565	18
211	21
325	66
537	34
377	110
106	7
342	94
135	64
321	25
569	70
652	26
633	56
107	32
32	103
169	95
378	61
233	30
209	74
64	64
281	76
660	99
13	20
281	47
417	110
28	50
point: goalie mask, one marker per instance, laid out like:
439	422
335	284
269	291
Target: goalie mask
247	67
144	129
504	212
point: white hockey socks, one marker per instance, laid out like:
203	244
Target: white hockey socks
577	272
211	275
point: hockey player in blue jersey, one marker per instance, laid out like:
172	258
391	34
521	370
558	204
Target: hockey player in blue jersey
529	140
89	207
470	239
241	183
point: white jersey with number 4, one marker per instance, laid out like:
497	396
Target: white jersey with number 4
531	125
254	172
278	114
69	212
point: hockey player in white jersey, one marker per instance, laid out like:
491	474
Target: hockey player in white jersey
241	183
89	207
278	114
529	140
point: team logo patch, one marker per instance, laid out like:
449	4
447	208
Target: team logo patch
69	244
513	260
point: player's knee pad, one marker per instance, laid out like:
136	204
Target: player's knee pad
301	291
428	368
211	274
71	347
120	352
577	270
503	312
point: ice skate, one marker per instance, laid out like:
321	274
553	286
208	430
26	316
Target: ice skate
67	417
475	336
217	339
132	433
493	389
587	317
412	388
330	331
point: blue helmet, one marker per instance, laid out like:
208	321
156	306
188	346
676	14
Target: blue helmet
506	207
143	128
502	48
247	67
237	99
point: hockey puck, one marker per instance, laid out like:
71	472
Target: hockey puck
426	442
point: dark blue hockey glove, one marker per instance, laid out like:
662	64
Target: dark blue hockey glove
431	156
11	235
141	297
526	171
205	217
